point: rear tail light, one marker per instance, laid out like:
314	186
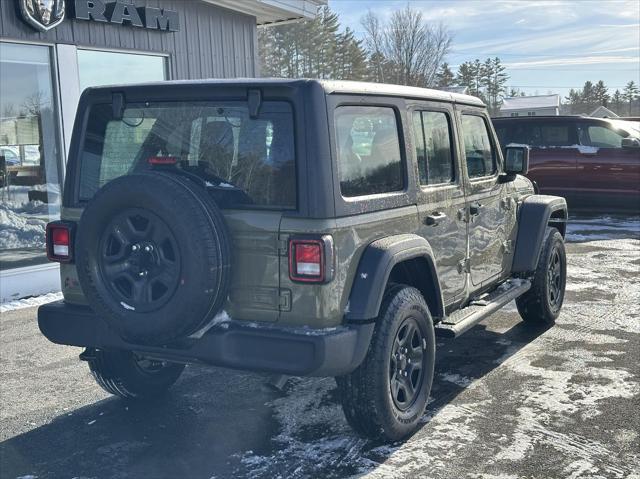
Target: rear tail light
60	241
162	160
311	260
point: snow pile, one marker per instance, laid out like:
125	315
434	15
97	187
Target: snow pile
30	302
16	231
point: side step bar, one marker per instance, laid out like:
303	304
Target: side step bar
464	319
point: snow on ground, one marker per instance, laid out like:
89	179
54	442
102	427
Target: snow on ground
562	384
602	228
30	302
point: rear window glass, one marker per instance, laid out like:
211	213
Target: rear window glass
252	159
368	148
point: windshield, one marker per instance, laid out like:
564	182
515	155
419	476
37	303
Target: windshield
251	159
630	127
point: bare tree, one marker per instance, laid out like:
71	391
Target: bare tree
374	43
406	50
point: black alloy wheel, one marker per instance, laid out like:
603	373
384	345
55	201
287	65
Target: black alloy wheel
406	364
139	260
555	280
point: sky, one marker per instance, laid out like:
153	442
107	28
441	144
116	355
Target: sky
548	46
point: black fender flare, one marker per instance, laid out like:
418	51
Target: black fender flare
374	269
534	216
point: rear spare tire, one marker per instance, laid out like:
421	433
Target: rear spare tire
153	256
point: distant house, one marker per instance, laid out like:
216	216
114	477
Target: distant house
531	105
603	112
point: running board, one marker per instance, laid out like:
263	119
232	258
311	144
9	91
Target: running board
464	319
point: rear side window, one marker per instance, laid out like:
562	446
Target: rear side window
252	158
479	153
368	150
538	134
433	147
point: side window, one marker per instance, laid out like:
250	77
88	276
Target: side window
480	155
556	134
599	136
368	150
433	147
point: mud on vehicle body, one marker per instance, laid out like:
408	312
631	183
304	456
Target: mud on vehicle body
297	227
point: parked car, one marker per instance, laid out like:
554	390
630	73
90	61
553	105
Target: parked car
295	227
593	162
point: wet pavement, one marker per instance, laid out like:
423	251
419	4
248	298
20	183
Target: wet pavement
508	401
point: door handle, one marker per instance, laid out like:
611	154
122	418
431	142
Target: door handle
435	218
474	209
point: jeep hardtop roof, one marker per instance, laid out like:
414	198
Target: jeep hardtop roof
329	86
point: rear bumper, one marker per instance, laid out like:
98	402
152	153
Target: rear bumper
291	351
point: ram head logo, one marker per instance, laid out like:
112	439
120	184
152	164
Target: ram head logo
43	15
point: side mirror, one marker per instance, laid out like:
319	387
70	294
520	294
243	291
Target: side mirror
516	162
631	142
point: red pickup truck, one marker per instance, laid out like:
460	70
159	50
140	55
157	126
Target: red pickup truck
594	163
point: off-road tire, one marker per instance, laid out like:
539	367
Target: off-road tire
121	373
366	394
202	245
543	302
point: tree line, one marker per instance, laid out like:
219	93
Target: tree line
591	96
406	50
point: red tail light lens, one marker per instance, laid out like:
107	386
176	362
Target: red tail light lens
59	237
307	260
162	160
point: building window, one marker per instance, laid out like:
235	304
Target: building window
29	153
531	113
97	68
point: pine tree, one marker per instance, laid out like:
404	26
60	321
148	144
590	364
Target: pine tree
313	48
588	94
630	93
601	94
465	75
445	77
616	101
494	81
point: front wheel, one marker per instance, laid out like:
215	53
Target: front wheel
542	303
385	397
125	374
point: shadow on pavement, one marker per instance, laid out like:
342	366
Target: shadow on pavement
212	417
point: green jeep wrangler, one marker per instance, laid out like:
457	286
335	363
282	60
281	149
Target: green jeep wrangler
297	227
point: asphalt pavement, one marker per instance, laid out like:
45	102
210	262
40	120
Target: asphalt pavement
508	401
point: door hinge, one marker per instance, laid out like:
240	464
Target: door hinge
464	266
284	303
283	247
507	247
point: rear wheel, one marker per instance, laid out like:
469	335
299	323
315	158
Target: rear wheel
386	396
127	375
542	303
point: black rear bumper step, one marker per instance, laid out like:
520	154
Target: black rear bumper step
464	319
254	347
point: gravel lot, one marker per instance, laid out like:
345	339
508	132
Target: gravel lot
508	401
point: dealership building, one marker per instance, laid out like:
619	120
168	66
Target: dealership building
50	50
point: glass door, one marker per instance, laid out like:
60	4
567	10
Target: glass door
29	153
